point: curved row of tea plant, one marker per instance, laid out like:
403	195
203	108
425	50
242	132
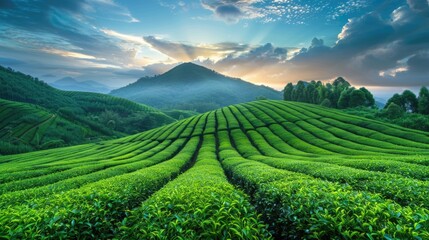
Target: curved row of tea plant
305	171
199	204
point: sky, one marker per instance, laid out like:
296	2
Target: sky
380	44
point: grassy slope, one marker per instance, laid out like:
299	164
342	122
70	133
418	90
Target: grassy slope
408	120
27	127
92	111
312	172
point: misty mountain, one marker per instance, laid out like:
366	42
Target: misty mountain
71	84
193	87
380	102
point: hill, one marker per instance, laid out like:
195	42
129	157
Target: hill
26	127
257	170
193	87
105	115
71	84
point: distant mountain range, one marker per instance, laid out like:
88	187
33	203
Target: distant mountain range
193	87
71	84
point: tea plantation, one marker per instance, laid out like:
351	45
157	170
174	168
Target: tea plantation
260	170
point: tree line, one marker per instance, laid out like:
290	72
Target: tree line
408	102
339	94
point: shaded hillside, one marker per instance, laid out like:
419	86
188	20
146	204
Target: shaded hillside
71	84
26	127
193	87
103	114
241	172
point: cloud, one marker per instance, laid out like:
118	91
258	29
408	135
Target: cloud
6	4
64	28
148	70
419	5
419	63
288	11
10	61
230	13
186	52
370	50
175	5
234	10
60	38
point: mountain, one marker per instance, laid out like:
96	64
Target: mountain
100	116
380	102
71	84
193	87
247	171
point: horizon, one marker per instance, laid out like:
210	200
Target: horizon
381	45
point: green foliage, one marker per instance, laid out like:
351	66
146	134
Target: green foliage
326	103
77	117
407	101
339	94
357	98
423	101
260	170
394	116
394	111
198	204
180	114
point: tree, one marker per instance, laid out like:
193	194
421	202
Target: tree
299	92
394	111
338	93
369	98
423	101
343	101
323	93
341	83
357	98
396	99
410	101
287	93
310	90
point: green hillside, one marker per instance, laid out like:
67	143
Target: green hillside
27	127
260	170
20	125
102	116
193	87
